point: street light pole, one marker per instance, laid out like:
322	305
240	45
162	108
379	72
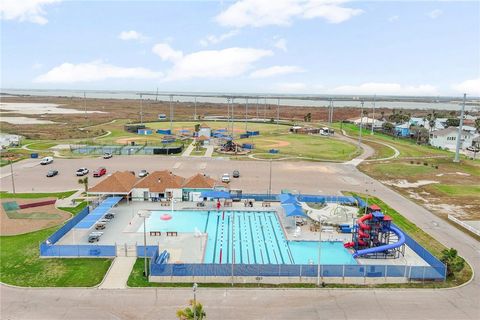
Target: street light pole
459	133
195	115
360	131
233	243
171	113
144	214
319	250
246	114
373	116
195	286
270	180
13	179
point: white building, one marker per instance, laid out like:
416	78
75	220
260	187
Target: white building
420	122
367	122
9	140
205	131
447	139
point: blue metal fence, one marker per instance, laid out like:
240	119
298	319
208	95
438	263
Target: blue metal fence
265	270
77	250
67	226
151	251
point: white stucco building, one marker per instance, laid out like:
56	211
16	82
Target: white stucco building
447	139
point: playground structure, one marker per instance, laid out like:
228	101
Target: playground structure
231	147
374	236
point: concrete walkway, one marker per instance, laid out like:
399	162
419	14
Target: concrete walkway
68	202
117	275
209	151
189	150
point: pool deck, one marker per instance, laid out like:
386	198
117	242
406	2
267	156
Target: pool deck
190	248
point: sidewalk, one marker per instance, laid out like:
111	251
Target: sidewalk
209	151
187	151
117	275
68	202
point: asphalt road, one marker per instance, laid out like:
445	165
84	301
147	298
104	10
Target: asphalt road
307	177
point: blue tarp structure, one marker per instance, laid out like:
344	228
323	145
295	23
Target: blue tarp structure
293	210
98	213
215	194
287	198
164	131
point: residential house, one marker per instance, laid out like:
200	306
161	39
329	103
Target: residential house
367	122
440	123
419	122
447	138
9	140
402	130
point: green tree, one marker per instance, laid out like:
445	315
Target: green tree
195	311
453	122
197	127
453	261
388	127
84	182
477	124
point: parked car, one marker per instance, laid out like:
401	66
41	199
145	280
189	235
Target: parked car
100	226
143	173
52	173
81	172
99	172
473	149
94	236
226	178
236	174
46	160
107	155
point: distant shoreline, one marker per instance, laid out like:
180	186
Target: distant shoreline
314	101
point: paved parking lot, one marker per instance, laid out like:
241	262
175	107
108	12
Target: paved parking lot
306	177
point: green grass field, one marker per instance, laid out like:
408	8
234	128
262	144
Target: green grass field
59	195
405	170
458	190
407	147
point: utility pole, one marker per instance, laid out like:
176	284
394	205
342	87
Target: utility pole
257	109
246	115
141	109
156	96
265	109
171	113
85	103
373	116
233	243
460	129
195	114
360	131
233	115
319	249
13	179
278	111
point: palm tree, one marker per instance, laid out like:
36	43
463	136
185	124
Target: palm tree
84	182
194	312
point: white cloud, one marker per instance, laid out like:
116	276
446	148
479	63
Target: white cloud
25	10
37	65
434	14
385	89
275	71
281	44
132	35
224	63
213	39
167	53
393	18
470	87
259	13
93	71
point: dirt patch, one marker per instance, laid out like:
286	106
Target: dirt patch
128	140
277	143
36	218
402	183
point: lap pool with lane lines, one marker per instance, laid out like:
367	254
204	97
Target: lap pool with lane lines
247	237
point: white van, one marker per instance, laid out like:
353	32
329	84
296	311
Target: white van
46	160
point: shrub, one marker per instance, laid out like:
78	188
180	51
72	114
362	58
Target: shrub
425	163
453	261
412	162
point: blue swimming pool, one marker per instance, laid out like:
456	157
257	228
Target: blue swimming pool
247	237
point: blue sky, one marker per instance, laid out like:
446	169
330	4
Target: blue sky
287	46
